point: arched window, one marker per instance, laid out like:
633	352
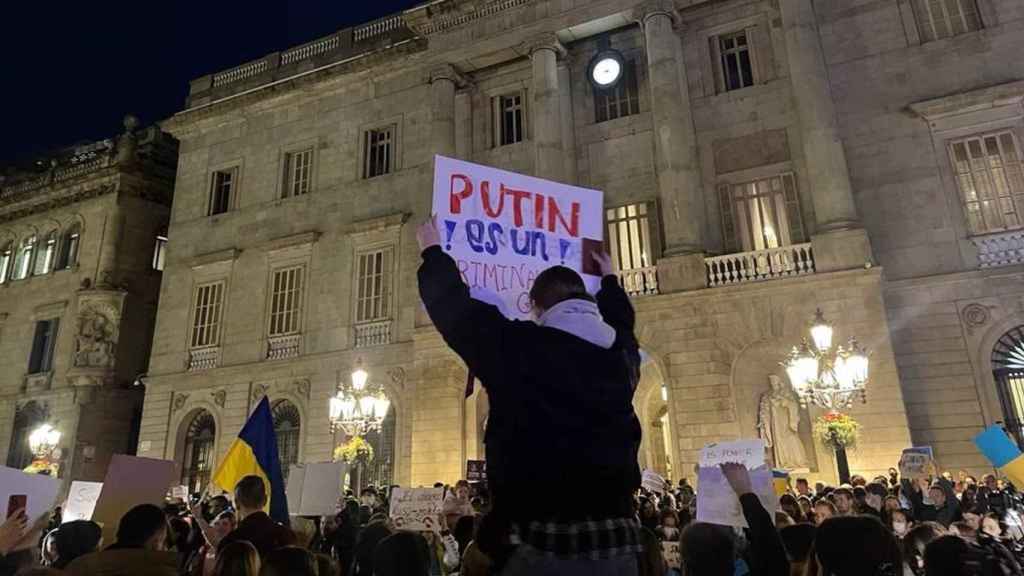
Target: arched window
26	419
6	255
69	247
287	425
1008	369
23	259
46	251
381	469
200	438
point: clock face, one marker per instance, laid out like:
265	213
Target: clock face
606	71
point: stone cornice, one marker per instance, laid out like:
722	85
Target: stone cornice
292	241
439	17
221	256
46	202
448	72
650	8
542	41
1009	94
388	222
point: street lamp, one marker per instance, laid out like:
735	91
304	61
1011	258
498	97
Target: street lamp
827	376
43	441
359	406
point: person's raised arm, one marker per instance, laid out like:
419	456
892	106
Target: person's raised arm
612	300
204	527
768	556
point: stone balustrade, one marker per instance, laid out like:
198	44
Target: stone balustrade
1000	249
203	358
640	281
281	347
378	27
373	334
795	260
247	70
308	50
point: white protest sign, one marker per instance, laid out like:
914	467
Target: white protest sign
915	462
81	500
750	453
180	492
670	550
314	488
652	481
416	508
504	228
130	481
38	492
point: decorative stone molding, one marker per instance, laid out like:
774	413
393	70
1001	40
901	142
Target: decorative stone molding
447	72
301	388
382	223
542	41
97	334
52	310
438	17
652	8
219	397
302	240
36	383
975	316
90	377
397	376
259	390
1011	93
179	401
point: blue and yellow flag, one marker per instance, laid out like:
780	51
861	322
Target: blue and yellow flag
780	481
1002	452
254	452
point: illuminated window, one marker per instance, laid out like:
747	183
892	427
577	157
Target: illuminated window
298	172
988	175
937	19
620	100
206	318
286	301
761	214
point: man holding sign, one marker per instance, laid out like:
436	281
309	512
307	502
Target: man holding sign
560	392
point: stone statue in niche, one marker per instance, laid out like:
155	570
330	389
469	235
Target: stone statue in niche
95	341
778	424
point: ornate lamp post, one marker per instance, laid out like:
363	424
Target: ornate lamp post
43	442
358	407
827	376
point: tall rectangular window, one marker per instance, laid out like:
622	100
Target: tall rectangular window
988	174
46	251
6	256
43	344
735	67
630	242
286	301
379	151
938	19
206	315
222	190
160	253
298	172
373	285
623	99
23	258
761	214
508	119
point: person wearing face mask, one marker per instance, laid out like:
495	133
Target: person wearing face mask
874	497
901	521
456	503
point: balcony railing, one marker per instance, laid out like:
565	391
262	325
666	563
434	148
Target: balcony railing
280	347
1001	249
373	334
203	358
640	281
795	260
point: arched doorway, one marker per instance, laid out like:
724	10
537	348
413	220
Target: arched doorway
381	471
198	440
288	428
651	402
26	419
1008	370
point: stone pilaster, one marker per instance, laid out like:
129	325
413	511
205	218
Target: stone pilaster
443	81
567	120
544	50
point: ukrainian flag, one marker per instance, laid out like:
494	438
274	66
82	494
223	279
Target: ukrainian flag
254	452
1003	453
780	481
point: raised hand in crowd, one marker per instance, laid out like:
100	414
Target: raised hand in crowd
12	530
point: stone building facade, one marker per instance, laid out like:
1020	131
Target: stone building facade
79	232
760	159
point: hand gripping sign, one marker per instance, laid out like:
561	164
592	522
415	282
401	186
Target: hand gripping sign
503	229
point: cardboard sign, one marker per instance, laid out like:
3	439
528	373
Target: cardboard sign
180	492
314	489
718	504
476	470
39	492
652	481
750	453
81	500
916	462
130	481
504	228
416	508
670	550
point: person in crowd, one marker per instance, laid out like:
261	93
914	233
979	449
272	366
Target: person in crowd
951	555
789	505
803	488
915	542
797	540
944	507
456	503
782	519
205	559
842	497
860	495
325	565
238	558
891	503
685	489
991	497
991	525
651	560
363	557
668	525
402	554
857	480
806	508
535	375
823	510
854	546
254	524
963	530
74	539
973	519
288	560
17	538
874	498
140	549
463	532
900	521
648	513
474	562
346	534
707	550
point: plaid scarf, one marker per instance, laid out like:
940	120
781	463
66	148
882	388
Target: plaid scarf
593	539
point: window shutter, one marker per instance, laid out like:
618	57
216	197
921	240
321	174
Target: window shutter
728	222
793	212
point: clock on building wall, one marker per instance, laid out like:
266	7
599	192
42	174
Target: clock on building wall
605	69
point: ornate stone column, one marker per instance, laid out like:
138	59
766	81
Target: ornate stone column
546	125
680	189
840	242
568	120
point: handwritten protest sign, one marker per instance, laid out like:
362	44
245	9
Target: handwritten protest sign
717	503
504	228
416	508
314	489
130	481
39	491
81	500
476	470
670	550
916	462
652	481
